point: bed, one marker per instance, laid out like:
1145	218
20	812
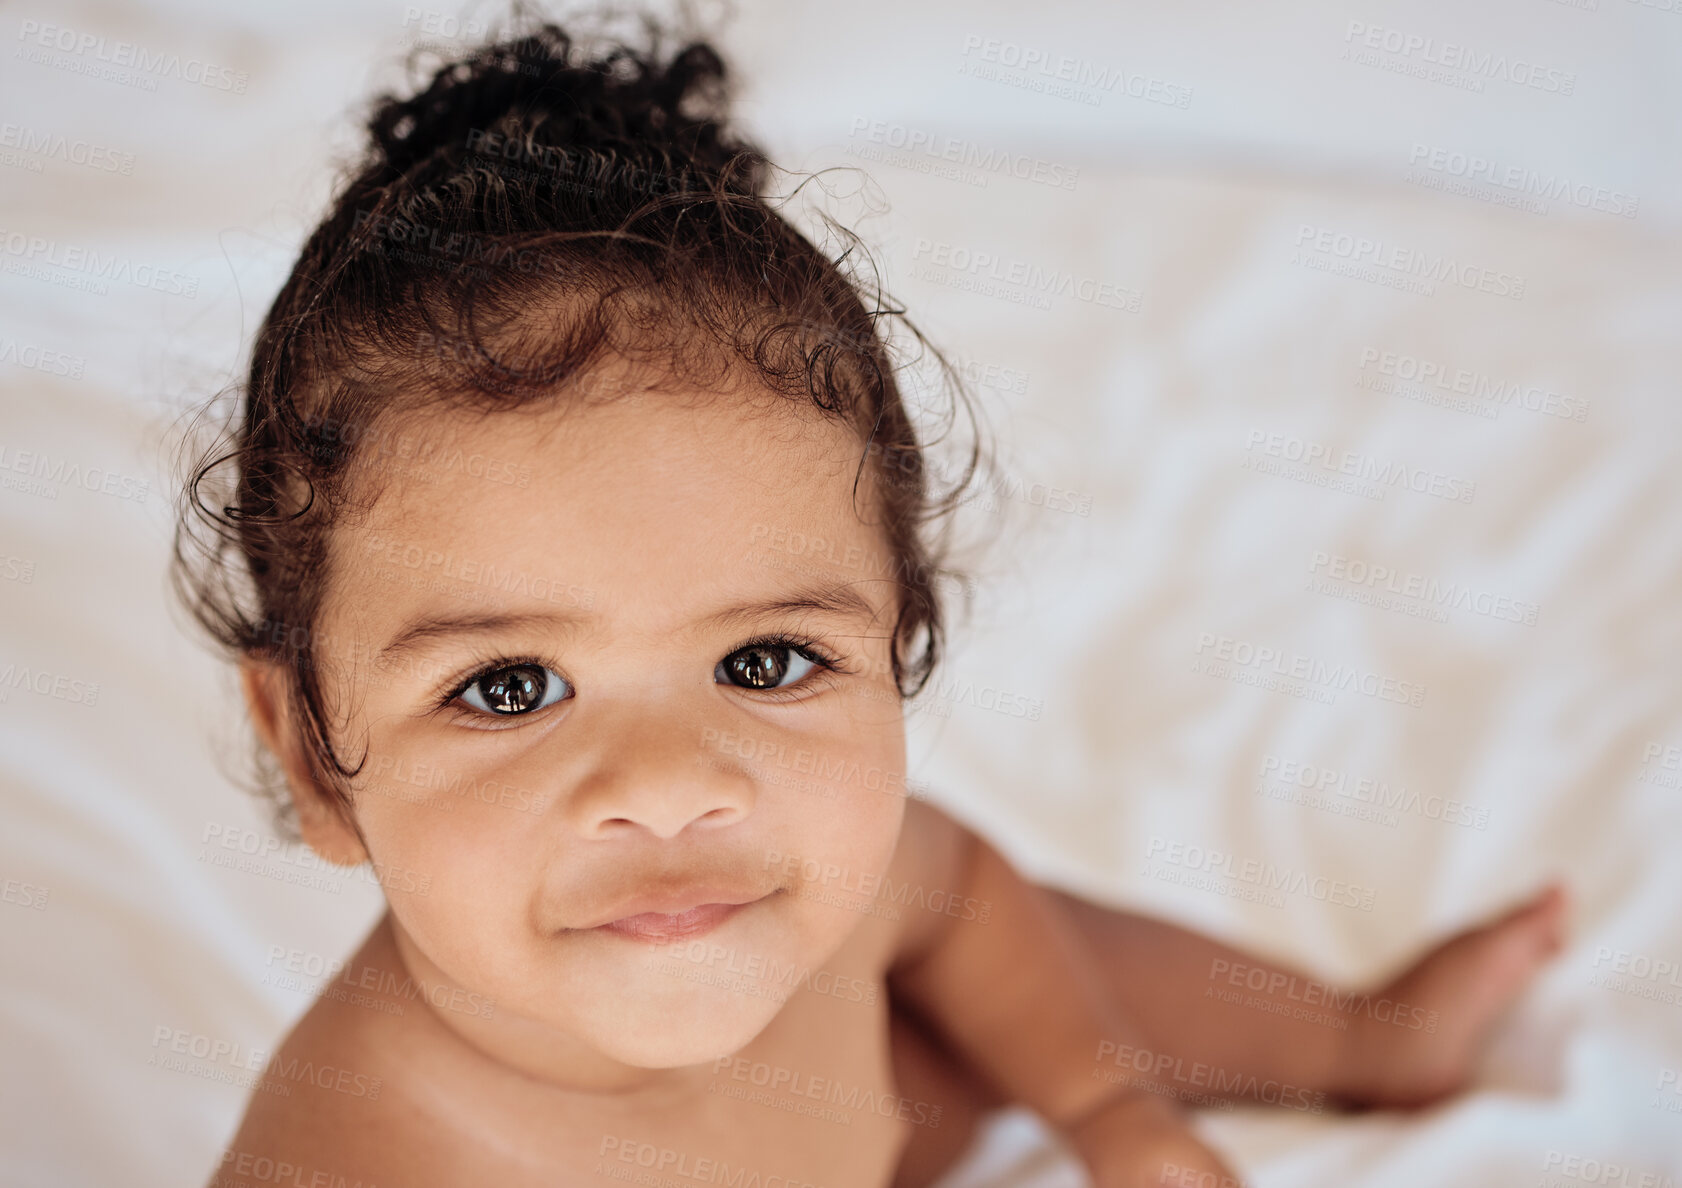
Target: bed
1332	353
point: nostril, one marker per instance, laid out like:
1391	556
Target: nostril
726	812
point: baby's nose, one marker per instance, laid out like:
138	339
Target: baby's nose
657	778
663	809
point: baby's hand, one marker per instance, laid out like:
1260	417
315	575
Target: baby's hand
1140	1141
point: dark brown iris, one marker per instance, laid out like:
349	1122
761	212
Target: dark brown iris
758	667
514	690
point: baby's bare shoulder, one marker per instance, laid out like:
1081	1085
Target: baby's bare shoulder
323	1108
926	878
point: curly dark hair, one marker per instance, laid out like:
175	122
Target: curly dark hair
537	208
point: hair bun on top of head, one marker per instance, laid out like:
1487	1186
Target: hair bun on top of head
544	109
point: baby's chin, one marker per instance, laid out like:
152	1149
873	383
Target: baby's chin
656	1037
662	1013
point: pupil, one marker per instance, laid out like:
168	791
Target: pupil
514	690
759	668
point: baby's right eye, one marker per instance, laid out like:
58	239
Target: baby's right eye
514	689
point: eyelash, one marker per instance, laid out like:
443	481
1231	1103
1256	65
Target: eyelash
822	660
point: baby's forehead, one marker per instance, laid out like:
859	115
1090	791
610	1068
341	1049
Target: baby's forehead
607	433
653	490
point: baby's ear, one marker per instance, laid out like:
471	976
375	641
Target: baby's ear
322	818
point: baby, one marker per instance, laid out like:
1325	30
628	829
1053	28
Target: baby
498	551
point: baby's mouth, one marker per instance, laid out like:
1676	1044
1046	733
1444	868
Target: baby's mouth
677	913
663	927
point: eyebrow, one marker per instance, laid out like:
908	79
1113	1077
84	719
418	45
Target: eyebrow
840	601
419	632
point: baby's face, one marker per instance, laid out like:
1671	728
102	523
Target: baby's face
617	708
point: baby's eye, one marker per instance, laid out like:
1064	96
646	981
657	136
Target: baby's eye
516	689
763	666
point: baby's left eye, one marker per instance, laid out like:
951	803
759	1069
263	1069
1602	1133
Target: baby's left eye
516	689
763	666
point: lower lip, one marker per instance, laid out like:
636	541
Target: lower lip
658	928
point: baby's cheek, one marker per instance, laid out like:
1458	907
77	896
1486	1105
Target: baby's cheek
833	860
455	891
876	804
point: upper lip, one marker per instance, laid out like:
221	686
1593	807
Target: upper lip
674	899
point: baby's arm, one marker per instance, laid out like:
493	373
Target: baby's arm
1020	999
